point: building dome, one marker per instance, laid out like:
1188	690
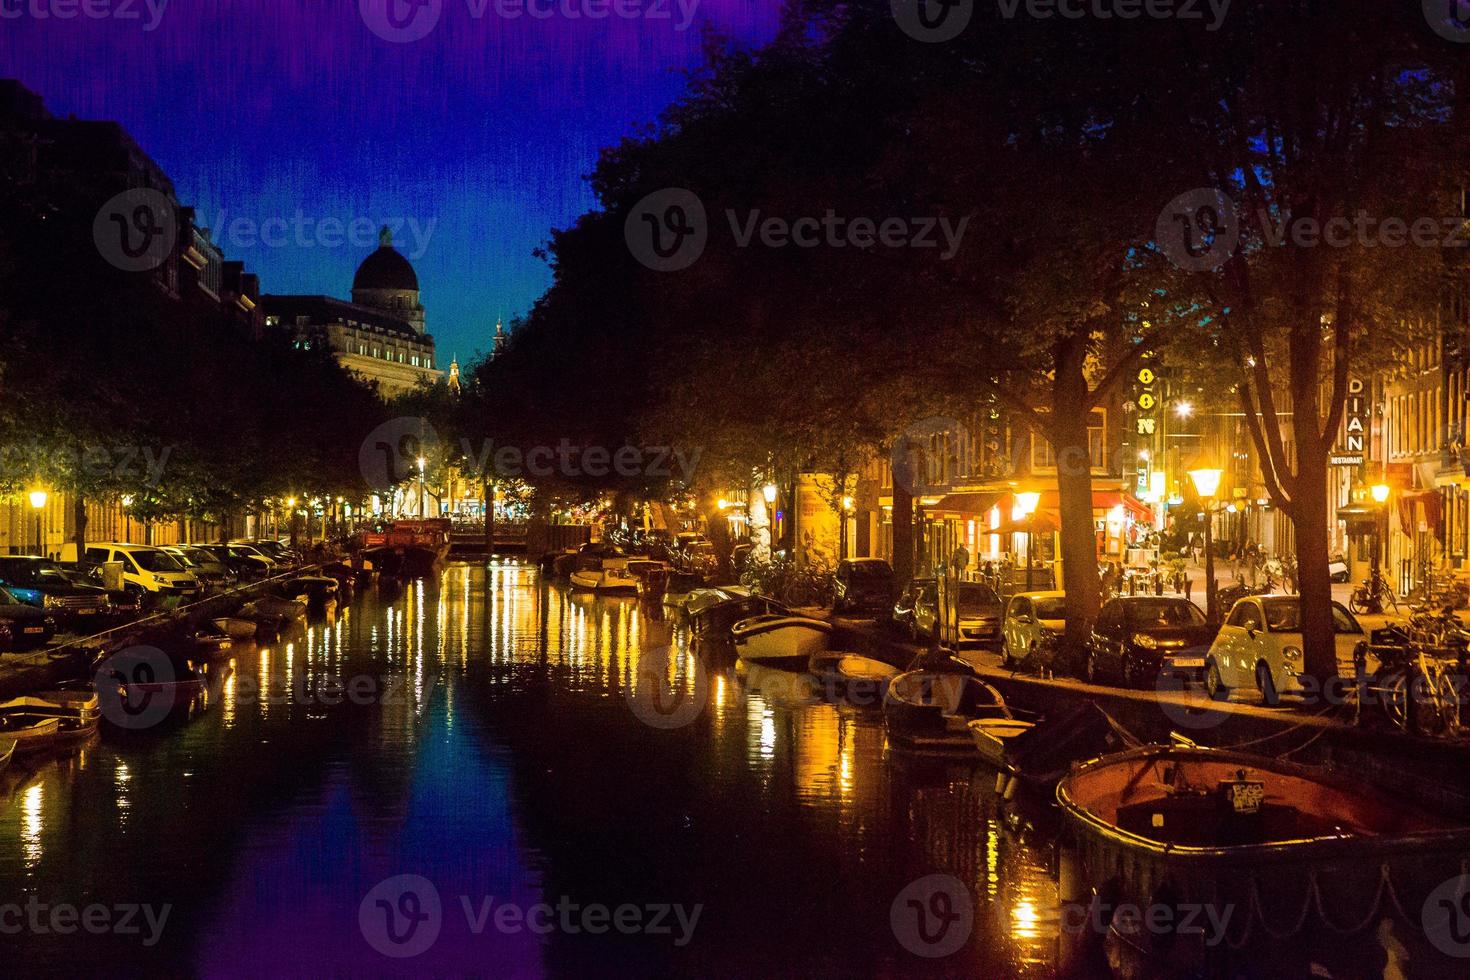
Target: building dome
385	269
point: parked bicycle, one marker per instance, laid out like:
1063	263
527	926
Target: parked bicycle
1369	598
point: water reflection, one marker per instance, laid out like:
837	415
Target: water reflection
475	729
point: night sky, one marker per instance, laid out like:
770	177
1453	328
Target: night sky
480	133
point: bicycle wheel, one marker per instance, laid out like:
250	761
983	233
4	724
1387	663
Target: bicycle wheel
1359	606
1444	696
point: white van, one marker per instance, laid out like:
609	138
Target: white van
146	568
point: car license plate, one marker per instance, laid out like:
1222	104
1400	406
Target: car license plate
34	629
86	611
1187	662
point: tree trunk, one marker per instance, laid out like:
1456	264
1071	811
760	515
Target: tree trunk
902	519
79	524
1074	491
1319	642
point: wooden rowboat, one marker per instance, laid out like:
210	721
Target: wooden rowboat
1287	847
7	752
860	680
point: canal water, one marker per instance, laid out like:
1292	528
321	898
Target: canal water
504	779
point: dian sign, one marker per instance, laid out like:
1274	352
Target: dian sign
1355	421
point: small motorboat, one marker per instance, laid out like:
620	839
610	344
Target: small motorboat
142	672
50	720
608	580
236	627
274	611
930	710
991	735
318	590
209	641
1189	827
857	679
1040	756
712	618
679	588
780	640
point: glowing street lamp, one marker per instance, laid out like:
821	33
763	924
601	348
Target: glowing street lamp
1380	493
1207	483
1026	503
769	492
38	503
1184	410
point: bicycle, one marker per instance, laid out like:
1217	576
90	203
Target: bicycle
1368	598
1413	671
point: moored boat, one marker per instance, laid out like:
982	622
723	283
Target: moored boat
236	627
1041	755
7	752
610	579
991	735
930	710
50	720
780	640
855	678
1286	847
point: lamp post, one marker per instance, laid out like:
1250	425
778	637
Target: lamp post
38	503
127	509
1380	535
1207	484
422	503
842	528
1026	502
769	492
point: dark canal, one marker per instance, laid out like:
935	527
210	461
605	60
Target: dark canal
494	743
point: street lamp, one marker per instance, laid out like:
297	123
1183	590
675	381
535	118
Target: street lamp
1026	502
842	528
127	507
422	502
769	492
1207	484
1380	493
38	501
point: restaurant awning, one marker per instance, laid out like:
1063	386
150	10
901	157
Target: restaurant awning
1103	500
976	504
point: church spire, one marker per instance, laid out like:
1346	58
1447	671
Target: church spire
385	238
453	380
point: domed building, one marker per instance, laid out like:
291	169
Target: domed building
380	335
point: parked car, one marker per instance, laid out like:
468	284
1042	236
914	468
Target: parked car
23	626
277	551
978	614
1260	646
147	569
43	583
862	585
1136	638
247	548
246	565
123	605
1033	621
207	567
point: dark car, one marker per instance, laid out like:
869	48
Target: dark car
43	583
244	564
862	585
903	607
977	614
1136	638
278	552
207	567
123	605
23	626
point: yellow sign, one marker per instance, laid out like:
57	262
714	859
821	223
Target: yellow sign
1146	401
1146	376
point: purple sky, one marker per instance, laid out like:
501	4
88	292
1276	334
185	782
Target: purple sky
476	136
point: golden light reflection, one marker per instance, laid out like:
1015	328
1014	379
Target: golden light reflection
31	824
